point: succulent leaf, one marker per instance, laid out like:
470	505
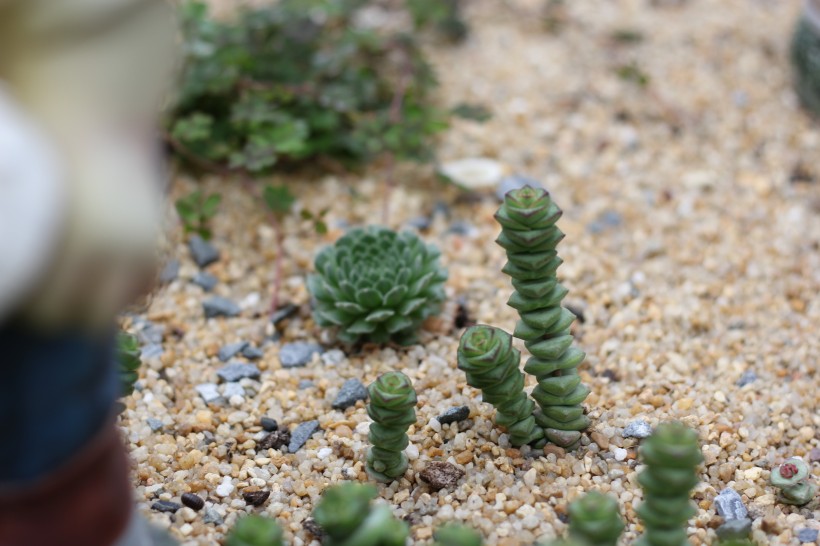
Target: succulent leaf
529	235
392	408
595	519
347	518
377	285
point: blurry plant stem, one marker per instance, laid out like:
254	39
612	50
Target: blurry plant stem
395	118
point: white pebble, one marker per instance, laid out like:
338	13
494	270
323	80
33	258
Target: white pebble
324	452
529	477
620	453
435	425
225	488
412	452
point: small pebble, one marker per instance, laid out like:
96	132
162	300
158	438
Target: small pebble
238	370
212	516
255	498
304	384
814	455
269	424
226	352
205	280
324	453
154	423
151	351
749	376
165	506
463	228
275	440
637	429
454	415
730	506
193	501
620	453
299	353
284	312
203	252
440	474
421	223
333	357
606	220
169	272
209	392
229	390
252	353
351	392
225	488
302	434
807	535
218	306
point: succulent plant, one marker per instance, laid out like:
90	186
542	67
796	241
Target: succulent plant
735	532
377	285
255	531
128	356
489	360
805	57
792	478
596	519
671	455
456	535
569	541
392	408
348	519
530	236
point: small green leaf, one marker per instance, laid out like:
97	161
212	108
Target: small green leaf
279	199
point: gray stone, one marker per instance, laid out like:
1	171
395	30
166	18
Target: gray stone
233	389
735	529
421	223
284	312
807	535
334	357
252	353
269	424
305	384
166	506
151	333
302	434
454	415
151	351
209	393
462	227
746	377
351	392
218	306
730	506
212	516
203	252
514	182
606	220
637	429
169	272
299	353
154	423
227	352
204	280
238	370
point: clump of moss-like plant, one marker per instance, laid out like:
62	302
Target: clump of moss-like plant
671	455
530	236
489	360
595	518
792	479
347	518
377	285
392	408
255	531
456	535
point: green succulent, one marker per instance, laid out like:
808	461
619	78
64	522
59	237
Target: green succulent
392	408
735	532
792	478
530	236
377	285
805	58
489	360
735	542
128	356
347	518
671	455
596	519
255	531
569	541
456	535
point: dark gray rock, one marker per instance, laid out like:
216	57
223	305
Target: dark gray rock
749	376
299	353
166	506
204	280
203	252
212	516
275	440
637	429
218	306
514	182
238	370
252	353
154	424
209	393
454	415
735	529
302	434
351	392
227	352
269	424
730	506
284	312
255	498
439	474
169	272
606	220
807	535
193	501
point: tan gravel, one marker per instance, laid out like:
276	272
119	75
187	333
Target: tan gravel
713	270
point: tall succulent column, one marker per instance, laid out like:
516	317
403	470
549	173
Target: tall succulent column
530	236
489	360
671	455
805	56
594	518
347	518
392	408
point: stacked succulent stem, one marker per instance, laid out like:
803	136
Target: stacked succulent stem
348	519
456	535
530	236
594	518
671	455
805	57
491	364
392	408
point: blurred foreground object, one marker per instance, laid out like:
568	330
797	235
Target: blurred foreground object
805	56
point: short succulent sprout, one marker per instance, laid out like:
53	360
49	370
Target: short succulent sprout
792	478
456	535
347	518
595	519
377	285
392	408
255	531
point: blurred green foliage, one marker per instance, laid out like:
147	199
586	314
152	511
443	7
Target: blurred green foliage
196	210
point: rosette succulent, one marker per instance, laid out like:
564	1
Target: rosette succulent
347	518
671	455
595	519
456	535
255	531
392	408
805	57
530	236
490	362
792	478
377	285
128	356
